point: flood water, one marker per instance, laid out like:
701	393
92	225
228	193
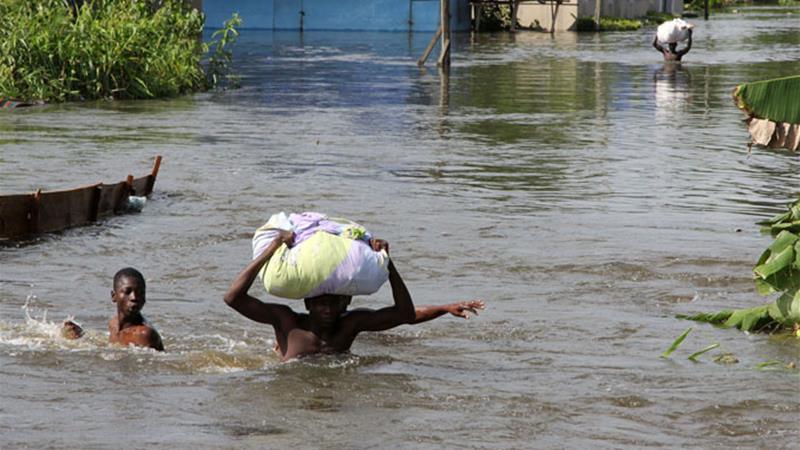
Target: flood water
586	191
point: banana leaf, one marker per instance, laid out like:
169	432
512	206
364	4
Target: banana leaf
717	318
776	262
676	343
777	100
750	319
786	309
779	218
783	240
777	271
694	355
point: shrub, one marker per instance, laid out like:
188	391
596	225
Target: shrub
607	24
495	17
52	50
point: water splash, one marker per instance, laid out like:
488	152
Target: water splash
37	332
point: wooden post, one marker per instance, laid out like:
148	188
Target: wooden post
302	16
514	6
429	48
444	90
444	56
151	179
94	210
478	8
554	4
122	198
705	9
597	7
33	215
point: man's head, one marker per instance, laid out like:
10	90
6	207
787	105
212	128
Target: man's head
129	291
327	307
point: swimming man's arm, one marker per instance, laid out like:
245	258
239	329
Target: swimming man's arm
251	307
458	309
382	319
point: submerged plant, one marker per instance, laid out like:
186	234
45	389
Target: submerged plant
777	271
676	343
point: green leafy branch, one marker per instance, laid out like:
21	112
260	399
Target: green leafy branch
777	271
219	73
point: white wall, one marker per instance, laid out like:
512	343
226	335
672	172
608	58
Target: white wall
534	12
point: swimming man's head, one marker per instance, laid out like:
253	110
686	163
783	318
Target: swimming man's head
129	291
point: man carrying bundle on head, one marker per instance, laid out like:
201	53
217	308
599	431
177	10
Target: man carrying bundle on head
328	327
671	33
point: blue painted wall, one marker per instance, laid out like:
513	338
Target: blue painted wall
362	15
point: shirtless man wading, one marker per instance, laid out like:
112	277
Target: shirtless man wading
128	326
329	327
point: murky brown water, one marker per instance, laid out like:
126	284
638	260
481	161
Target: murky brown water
586	191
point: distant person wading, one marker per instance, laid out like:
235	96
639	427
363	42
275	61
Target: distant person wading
669	34
671	52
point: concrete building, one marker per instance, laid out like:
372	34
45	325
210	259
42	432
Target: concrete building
540	15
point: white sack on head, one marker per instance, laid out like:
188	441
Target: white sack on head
673	31
329	256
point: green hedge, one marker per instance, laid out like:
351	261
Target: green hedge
121	49
607	24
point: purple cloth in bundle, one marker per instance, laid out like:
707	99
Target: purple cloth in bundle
307	223
344	275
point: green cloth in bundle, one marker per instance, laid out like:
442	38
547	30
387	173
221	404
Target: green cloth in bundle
296	273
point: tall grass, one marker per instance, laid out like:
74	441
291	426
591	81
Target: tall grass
123	49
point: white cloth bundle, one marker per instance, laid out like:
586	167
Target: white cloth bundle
329	256
673	31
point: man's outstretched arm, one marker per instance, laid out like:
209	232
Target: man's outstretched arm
458	309
251	307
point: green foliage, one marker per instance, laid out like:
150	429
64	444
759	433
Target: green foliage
694	355
123	49
676	343
777	100
608	24
657	18
219	65
495	17
777	271
699	5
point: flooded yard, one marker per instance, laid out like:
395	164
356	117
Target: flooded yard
587	191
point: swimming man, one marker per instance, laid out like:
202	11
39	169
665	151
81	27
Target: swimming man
329	327
671	53
128	326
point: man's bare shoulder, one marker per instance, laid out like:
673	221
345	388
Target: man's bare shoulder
352	321
142	335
